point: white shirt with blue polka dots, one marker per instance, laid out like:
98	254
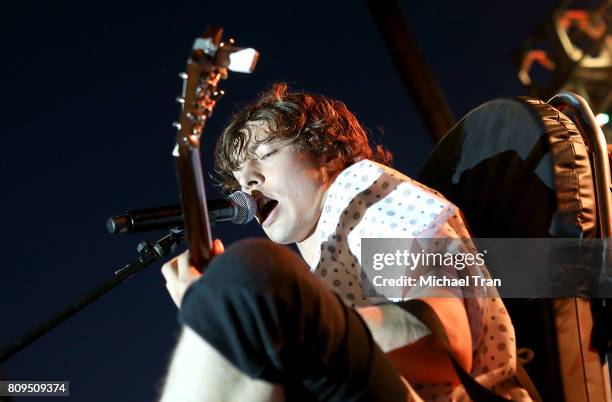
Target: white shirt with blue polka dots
370	200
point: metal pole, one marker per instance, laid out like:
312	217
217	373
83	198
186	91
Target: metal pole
417	76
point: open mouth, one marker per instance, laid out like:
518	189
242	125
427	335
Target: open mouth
265	205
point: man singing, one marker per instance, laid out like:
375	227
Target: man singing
263	324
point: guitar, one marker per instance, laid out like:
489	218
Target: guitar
208	64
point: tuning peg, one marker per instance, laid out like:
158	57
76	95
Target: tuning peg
183	75
176	124
229	42
180	99
218	94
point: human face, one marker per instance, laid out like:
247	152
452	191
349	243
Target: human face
289	187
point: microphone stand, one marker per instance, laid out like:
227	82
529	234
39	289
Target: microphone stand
148	252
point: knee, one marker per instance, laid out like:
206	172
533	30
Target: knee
257	264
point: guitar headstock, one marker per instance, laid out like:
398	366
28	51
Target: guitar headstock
208	64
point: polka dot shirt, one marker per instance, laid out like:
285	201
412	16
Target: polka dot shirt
370	200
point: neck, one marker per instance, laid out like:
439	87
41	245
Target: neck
308	247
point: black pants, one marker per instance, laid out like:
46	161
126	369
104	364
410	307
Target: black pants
261	308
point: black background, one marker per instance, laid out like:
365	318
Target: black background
88	94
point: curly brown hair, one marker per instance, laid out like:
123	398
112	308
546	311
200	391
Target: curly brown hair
314	123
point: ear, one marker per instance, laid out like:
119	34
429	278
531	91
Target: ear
333	164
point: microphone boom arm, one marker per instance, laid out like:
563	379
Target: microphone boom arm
148	251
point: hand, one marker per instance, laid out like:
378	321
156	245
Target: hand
414	352
391	326
180	274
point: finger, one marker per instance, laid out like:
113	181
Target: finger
184	265
171	287
170	270
218	247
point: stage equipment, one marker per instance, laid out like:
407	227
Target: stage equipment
521	168
571	50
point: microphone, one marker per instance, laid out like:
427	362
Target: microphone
239	208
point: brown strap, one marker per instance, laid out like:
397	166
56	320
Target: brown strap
525	382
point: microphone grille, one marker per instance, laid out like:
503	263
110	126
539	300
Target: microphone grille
246	206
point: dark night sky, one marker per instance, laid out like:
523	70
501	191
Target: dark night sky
88	94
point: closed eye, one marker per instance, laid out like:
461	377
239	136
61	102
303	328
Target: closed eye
266	156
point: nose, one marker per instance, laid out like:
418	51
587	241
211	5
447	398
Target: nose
250	178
